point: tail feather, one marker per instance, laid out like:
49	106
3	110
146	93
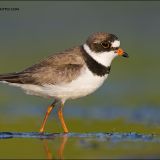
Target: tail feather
11	77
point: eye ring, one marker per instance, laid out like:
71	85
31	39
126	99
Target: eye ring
105	44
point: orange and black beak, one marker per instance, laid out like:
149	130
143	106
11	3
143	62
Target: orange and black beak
120	52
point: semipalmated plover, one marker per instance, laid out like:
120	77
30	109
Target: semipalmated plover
70	74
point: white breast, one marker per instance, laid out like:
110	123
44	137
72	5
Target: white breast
85	84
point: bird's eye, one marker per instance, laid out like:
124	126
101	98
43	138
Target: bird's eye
105	44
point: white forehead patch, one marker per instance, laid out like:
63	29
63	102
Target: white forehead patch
116	43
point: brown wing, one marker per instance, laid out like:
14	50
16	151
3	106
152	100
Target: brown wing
59	68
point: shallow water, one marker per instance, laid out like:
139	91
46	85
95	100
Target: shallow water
119	139
78	145
95	132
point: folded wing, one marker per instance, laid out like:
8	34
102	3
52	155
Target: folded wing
59	68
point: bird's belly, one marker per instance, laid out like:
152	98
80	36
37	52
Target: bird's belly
82	86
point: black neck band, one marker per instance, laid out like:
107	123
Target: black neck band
95	67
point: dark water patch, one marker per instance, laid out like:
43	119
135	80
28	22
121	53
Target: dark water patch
99	136
5	135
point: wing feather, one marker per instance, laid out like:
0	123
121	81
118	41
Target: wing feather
59	68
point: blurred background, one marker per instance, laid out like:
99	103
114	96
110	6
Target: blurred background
129	101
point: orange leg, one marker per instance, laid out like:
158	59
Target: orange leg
46	116
60	115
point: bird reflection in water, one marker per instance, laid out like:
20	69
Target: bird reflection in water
48	151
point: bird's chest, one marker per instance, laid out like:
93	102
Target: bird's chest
85	84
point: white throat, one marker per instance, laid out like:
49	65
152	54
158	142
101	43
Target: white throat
104	58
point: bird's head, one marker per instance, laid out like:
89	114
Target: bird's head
104	47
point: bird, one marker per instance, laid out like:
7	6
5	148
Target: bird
73	73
